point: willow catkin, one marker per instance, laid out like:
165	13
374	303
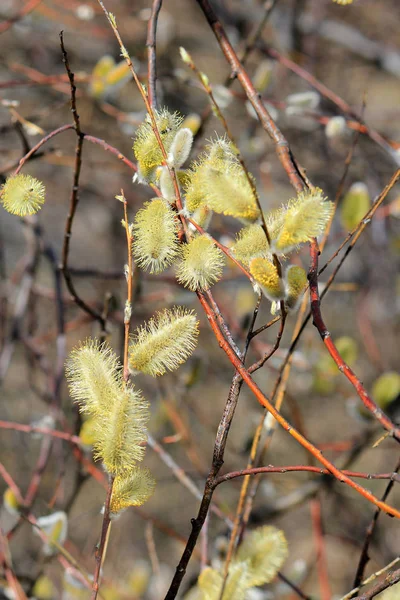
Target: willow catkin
155	242
164	342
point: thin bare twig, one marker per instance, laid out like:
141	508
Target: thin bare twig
151	53
74	198
364	557
319	323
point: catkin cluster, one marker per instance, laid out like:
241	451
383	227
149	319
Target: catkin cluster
218	183
118	415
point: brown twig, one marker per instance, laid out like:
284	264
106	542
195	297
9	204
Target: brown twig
334	98
151	53
62	435
389	580
293	170
370	579
103	540
217	462
303	469
74	198
364	557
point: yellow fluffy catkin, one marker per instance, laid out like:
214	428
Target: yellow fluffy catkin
296	282
94	376
230	193
122	432
217	180
132	489
211	581
251	242
155	242
264	550
201	264
22	195
164	342
266	276
300	220
146	148
195	194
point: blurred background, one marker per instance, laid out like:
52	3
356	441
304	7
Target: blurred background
352	57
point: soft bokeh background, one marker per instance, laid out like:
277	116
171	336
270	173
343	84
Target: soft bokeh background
355	52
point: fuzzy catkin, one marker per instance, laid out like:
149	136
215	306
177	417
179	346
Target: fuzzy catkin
146	148
211	583
132	489
251	242
264	550
296	281
180	148
164	342
230	193
122	432
155	243
302	219
195	195
204	187
94	376
201	264
22	195
266	276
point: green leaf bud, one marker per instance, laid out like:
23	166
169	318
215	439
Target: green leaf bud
355	205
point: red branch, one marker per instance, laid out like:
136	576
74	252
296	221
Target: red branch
340	476
302	468
319	323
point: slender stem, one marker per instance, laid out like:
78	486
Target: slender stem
263	400
302	469
316	518
129	285
74	439
151	53
217	462
319	323
293	170
109	148
364	557
103	539
390	579
74	198
370	579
